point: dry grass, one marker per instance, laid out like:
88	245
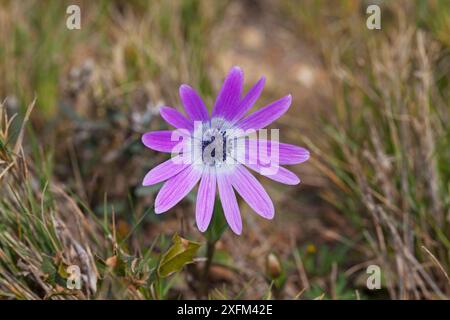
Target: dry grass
388	153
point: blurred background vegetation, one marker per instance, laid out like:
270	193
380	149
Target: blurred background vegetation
371	105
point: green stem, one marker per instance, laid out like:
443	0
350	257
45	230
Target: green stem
210	249
215	230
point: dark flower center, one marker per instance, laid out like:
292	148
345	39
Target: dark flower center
214	147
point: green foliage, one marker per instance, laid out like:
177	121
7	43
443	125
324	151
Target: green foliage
218	224
341	291
180	253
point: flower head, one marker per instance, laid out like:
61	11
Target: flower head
217	150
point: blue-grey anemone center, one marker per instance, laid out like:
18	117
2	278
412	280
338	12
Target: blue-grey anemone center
214	147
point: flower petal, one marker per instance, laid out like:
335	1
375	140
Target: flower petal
265	151
164	171
205	199
252	192
193	104
165	140
176	188
249	100
265	116
278	174
227	101
229	203
176	118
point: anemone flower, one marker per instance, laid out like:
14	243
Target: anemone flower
221	147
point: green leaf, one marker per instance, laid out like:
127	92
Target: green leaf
218	223
180	253
48	269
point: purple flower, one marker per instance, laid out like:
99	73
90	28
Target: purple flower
221	148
